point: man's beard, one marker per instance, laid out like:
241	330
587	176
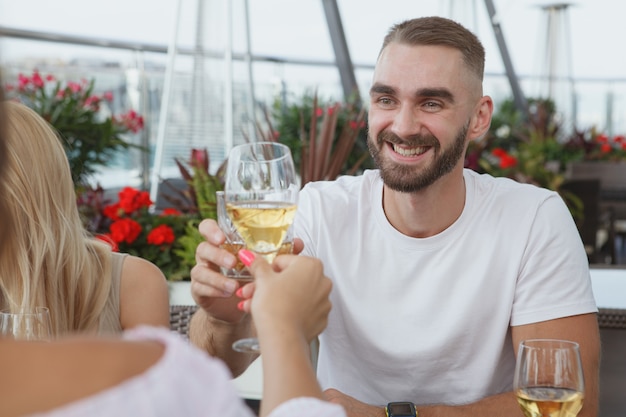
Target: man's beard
404	177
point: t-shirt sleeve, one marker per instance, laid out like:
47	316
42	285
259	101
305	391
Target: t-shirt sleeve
554	280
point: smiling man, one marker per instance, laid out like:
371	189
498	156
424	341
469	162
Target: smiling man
439	272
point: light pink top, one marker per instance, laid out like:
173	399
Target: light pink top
185	382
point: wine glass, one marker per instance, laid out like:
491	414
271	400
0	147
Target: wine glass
549	378
234	242
261	192
27	324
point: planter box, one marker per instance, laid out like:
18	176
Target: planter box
612	177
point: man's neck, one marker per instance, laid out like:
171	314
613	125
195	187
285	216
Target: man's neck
429	211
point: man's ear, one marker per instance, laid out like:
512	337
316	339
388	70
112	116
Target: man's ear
481	120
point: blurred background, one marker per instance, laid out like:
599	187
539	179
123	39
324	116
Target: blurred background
201	71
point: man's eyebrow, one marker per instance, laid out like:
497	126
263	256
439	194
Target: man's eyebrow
442	93
382	89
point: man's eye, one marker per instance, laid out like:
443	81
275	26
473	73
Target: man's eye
432	105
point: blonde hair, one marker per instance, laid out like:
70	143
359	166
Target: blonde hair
49	258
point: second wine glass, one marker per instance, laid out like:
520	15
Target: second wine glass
549	378
27	325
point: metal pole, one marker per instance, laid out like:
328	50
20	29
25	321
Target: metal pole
228	79
248	59
518	96
342	53
165	100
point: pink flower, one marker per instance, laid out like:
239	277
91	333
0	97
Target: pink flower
200	159
108	96
37	80
93	102
74	87
22	82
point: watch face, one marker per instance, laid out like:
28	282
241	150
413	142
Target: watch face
401	409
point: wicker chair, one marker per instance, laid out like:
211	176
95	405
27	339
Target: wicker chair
179	318
612	318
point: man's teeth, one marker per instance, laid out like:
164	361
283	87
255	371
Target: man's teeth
409	151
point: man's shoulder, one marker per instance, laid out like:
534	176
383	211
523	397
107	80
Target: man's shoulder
506	187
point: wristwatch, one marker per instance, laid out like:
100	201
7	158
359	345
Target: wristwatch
401	409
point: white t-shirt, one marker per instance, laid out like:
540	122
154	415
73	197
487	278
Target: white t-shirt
428	320
185	382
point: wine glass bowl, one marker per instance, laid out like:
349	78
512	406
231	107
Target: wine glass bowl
261	191
26	325
549	378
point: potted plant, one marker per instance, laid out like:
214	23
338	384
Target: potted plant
91	136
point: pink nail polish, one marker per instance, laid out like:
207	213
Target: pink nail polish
239	292
246	256
240	305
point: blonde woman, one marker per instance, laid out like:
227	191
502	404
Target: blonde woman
49	259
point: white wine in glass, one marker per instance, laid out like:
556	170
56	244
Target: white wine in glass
549	378
261	192
263	225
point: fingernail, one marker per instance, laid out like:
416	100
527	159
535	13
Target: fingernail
246	256
240	305
230	286
240	292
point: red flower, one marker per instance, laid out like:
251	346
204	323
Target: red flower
602	138
507	161
132	199
112	211
108	239
125	230
170	212
499	152
619	139
606	148
160	235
